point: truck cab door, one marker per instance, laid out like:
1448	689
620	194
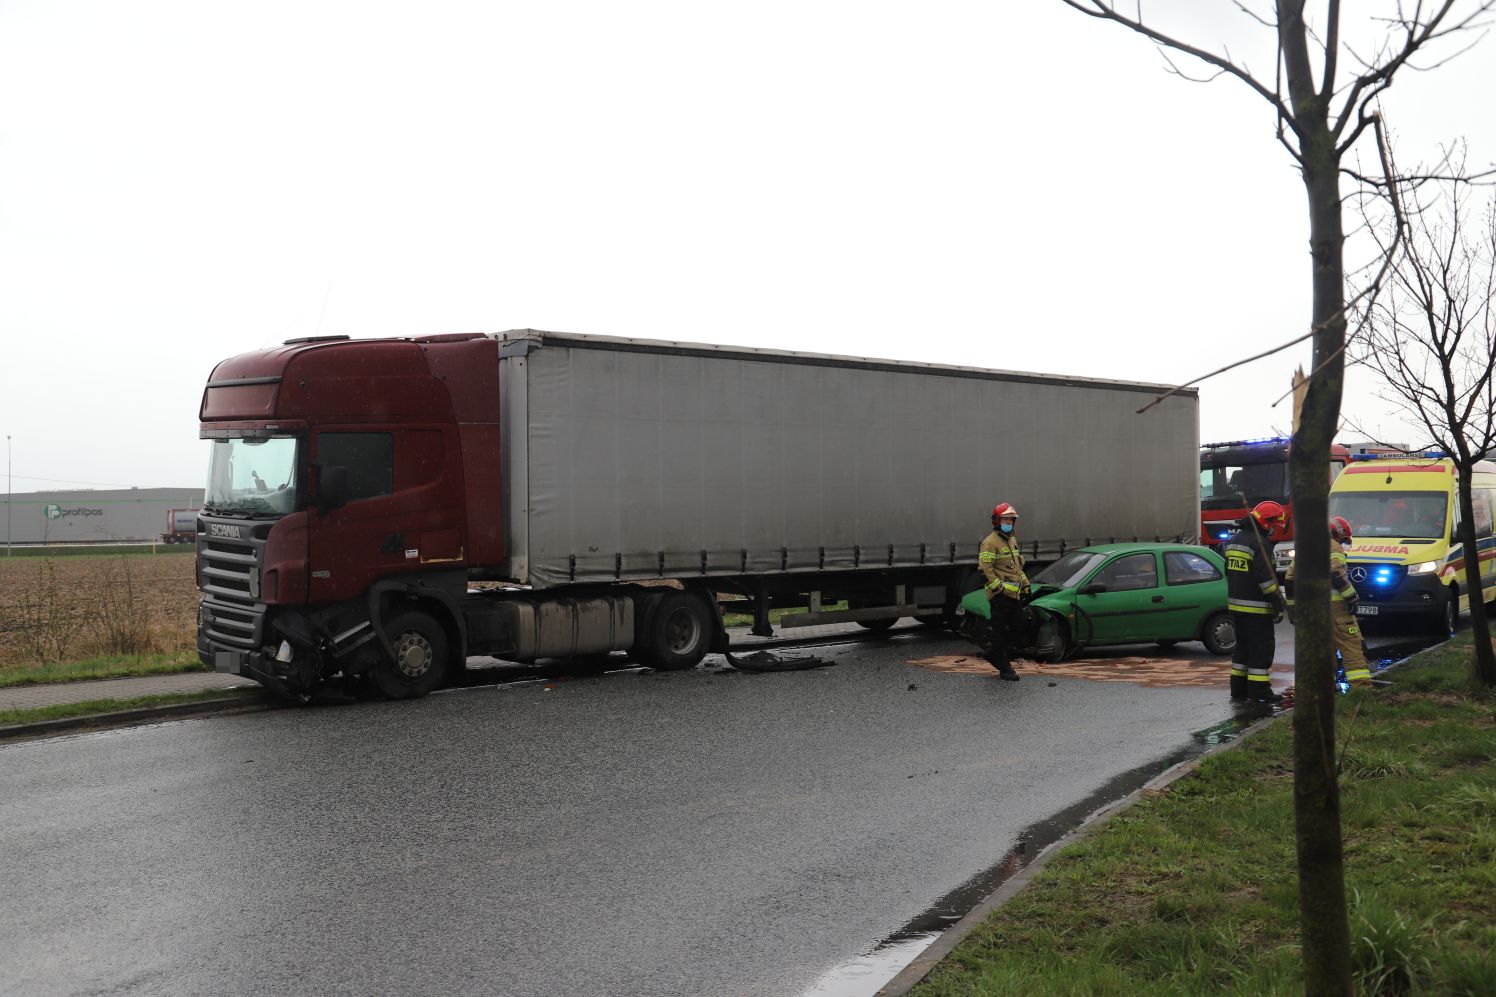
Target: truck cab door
399	509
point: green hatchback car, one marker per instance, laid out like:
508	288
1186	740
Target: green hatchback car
1135	593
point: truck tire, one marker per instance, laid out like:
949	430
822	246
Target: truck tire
877	626
677	633
419	662
1219	634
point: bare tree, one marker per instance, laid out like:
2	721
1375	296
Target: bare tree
1431	334
1319	117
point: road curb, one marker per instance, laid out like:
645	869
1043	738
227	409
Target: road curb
924	963
145	714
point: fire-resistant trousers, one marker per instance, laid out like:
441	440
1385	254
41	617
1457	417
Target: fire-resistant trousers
1005	616
1252	659
1348	643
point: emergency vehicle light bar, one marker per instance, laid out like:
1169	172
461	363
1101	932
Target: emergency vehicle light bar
1245	443
1402	455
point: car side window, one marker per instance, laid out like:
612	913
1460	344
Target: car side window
1183	568
1129	572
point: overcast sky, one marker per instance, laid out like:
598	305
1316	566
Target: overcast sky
992	183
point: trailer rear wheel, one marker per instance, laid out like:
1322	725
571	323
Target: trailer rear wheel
877	626
419	661
678	632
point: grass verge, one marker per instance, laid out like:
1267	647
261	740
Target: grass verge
1194	890
93	707
110	667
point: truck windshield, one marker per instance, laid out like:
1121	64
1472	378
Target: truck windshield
1404	515
252	476
1239	486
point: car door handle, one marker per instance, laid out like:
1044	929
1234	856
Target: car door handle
1158	598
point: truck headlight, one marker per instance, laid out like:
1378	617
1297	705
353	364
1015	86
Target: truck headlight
1289	553
1423	568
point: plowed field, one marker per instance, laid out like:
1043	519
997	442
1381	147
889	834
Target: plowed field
77	607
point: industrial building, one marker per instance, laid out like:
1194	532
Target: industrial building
92	515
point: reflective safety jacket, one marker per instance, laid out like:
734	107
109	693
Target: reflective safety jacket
1002	566
1251	585
1341	589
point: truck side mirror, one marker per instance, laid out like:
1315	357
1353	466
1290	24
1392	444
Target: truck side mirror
332	487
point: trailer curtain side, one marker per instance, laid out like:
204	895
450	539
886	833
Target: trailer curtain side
626	460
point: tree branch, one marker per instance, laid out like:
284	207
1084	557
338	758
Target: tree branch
1106	12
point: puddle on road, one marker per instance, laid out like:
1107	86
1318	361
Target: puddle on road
865	975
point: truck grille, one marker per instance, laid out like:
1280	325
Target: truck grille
232	614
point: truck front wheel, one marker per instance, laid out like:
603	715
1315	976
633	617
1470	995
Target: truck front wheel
677	633
419	660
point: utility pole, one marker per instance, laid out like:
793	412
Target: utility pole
8	499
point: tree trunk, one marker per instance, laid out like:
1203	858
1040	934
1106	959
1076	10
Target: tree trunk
1316	791
1483	665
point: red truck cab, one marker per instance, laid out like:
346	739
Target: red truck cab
1236	475
336	479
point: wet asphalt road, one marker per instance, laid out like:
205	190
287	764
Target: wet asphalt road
630	833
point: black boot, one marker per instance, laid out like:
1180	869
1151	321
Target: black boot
1267	696
999	660
1238	687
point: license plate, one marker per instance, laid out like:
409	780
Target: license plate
226	661
1366	610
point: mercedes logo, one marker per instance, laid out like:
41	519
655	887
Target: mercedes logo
1358	574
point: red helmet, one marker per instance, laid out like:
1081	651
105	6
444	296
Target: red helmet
1340	529
1003	510
1270	514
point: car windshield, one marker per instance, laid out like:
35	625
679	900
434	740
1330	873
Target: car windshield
1069	569
1238	486
256	477
1404	515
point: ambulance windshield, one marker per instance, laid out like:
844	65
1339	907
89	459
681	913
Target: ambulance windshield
1403	515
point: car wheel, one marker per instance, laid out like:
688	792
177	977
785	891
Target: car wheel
418	662
677	634
1219	634
1058	647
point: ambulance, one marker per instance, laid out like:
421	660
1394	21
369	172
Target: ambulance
1406	560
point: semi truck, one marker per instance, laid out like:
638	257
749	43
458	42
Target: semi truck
379	511
181	526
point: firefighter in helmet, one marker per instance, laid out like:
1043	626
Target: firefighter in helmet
1255	601
1007	585
1343	598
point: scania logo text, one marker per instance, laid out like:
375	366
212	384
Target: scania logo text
225	530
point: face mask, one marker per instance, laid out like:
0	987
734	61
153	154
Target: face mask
1006	527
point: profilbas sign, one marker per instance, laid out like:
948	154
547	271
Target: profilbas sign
55	511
